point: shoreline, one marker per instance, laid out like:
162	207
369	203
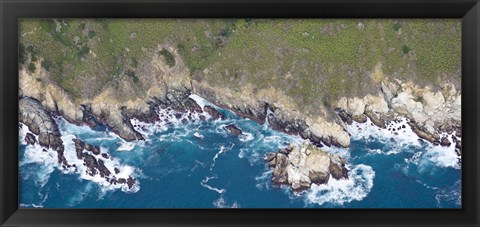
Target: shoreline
197	105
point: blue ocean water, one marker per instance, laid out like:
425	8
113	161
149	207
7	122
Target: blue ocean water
200	165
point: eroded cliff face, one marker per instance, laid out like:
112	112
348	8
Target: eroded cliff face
432	112
90	160
161	85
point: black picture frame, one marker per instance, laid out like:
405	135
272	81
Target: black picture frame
12	10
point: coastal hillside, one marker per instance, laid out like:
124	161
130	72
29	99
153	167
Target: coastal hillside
315	76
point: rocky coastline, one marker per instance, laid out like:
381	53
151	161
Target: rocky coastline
42	126
433	112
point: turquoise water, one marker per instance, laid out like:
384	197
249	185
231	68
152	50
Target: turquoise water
200	165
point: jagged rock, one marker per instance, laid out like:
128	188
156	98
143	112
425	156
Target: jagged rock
318	177
30	139
130	182
234	130
213	112
304	165
104	172
458	145
445	142
271	158
280	174
423	134
361	118
326	141
375	120
39	121
79	147
91	163
338	170
191	105
347	118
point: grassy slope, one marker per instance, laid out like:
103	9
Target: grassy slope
314	61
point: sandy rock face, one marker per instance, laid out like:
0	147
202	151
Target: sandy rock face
300	166
431	111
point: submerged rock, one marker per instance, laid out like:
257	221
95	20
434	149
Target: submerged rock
301	166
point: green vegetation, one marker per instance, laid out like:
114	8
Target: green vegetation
91	34
405	49
46	64
21	54
131	74
168	57
311	60
31	67
397	26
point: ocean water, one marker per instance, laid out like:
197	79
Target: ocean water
200	165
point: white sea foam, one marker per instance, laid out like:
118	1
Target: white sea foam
220	203
126	146
246	136
167	119
379	151
338	192
452	194
45	158
263	181
198	135
48	160
24	205
22	133
398	132
400	135
441	157
110	163
204	184
222	150
199	100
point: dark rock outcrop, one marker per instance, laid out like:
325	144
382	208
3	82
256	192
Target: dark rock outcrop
271	159
95	165
213	112
232	129
361	118
378	121
280	174
318	177
30	139
347	118
423	133
39	121
445	142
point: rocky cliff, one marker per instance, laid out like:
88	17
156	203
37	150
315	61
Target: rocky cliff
166	86
431	111
44	128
